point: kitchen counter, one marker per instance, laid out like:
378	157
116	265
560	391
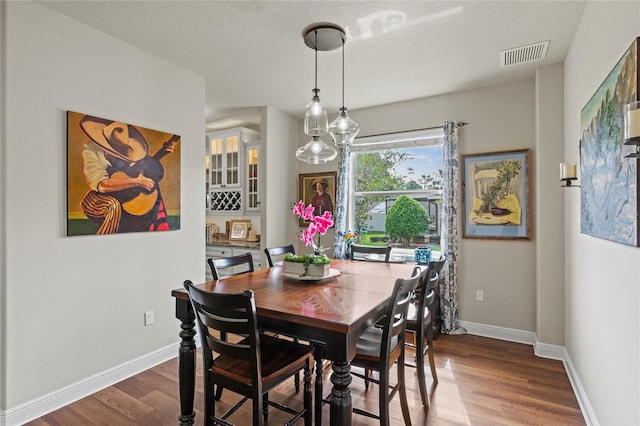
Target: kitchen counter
227	243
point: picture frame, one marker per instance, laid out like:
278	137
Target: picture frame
496	196
103	149
239	230
609	182
322	201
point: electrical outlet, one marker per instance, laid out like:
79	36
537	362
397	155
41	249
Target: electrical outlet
480	295
148	318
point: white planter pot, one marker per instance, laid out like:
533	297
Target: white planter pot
298	269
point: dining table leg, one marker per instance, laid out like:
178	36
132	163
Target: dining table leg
186	359
340	399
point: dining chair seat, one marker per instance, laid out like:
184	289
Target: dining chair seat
274	354
369	344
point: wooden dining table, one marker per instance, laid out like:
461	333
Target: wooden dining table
330	313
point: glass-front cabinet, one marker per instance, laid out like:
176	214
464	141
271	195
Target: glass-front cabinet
225	169
224	160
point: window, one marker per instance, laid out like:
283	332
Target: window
386	167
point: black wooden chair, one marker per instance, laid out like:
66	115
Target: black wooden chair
241	264
379	348
250	367
419	320
278	252
370	253
221	267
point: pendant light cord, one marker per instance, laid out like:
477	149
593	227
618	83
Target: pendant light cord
342	72
316	49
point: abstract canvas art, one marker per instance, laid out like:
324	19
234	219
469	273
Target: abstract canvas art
120	177
609	182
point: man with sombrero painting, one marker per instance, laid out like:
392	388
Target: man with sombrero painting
321	201
123	179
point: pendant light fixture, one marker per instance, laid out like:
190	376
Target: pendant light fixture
324	37
316	122
343	129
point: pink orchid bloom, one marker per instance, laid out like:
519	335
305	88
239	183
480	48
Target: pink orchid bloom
298	208
317	224
308	212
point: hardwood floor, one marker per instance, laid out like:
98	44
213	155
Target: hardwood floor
482	381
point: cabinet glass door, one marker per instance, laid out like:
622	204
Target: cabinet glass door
233	161
216	165
253	156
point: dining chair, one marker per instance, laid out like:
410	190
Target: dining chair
379	348
233	265
250	366
370	250
274	252
419	318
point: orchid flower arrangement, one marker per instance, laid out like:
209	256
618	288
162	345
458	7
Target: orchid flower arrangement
318	225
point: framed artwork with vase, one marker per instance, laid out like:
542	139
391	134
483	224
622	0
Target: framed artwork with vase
495	195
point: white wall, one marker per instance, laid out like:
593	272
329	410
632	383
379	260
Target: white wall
549	206
74	305
602	326
281	183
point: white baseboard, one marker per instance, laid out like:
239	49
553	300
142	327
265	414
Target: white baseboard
502	333
543	350
585	406
65	396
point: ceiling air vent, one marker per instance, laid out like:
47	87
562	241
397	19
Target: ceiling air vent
524	54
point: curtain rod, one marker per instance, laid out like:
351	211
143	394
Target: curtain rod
404	131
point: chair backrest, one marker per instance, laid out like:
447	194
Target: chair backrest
433	269
436	265
221	267
425	292
278	252
384	251
395	320
227	313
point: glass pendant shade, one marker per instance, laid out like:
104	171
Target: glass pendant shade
316	122
343	129
316	152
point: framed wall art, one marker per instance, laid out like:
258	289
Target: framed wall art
239	229
318	189
608	180
495	195
120	177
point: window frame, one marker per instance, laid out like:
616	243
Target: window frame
391	141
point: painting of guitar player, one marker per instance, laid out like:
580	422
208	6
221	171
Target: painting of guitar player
120	177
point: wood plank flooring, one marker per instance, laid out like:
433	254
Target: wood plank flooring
482	381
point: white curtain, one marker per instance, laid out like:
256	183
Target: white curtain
449	230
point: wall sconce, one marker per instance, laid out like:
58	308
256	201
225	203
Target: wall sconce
568	173
631	124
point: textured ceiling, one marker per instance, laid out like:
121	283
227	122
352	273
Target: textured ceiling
252	52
